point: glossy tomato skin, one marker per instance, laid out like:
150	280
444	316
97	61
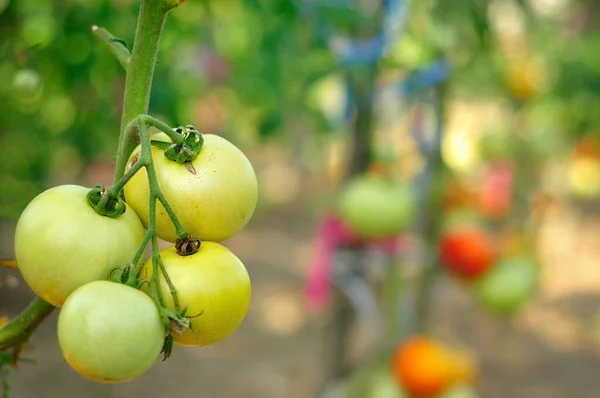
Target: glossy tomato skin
214	204
467	253
109	332
61	243
508	286
214	284
376	207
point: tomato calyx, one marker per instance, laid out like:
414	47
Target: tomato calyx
167	347
185	152
104	203
176	321
126	275
187	246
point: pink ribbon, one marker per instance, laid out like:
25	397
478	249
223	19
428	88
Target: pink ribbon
332	233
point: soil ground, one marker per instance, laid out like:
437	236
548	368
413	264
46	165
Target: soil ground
549	350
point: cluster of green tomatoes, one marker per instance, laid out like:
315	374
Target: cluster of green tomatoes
117	311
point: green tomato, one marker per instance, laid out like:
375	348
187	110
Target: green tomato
61	243
213	204
460	391
110	332
26	83
375	380
376	207
508	285
215	286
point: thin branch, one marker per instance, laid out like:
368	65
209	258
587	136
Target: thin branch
119	50
18	330
8	263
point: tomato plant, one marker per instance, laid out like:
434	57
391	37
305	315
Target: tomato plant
467	252
213	284
109	332
62	243
508	286
214	195
374	206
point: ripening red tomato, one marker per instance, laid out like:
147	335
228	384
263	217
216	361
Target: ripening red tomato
467	252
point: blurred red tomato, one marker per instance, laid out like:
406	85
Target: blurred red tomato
467	252
497	190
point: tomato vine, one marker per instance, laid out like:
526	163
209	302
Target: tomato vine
139	66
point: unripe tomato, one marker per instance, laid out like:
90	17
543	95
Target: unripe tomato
508	285
61	243
467	252
215	286
374	380
375	206
422	366
110	332
213	204
26	83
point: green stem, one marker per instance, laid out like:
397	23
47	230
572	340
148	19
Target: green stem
169	283
431	218
115	190
17	331
156	194
153	122
139	75
155	260
140	252
142	124
119	50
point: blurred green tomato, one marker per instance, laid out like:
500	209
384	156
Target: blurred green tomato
375	206
39	31
505	288
3	5
374	381
460	391
384	385
26	83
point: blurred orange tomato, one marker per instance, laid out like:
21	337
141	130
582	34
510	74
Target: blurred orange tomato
421	366
425	367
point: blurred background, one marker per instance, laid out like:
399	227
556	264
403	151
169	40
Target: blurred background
303	87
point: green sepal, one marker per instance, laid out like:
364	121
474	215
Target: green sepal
167	347
126	275
113	207
189	149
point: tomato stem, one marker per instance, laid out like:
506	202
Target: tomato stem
117	187
140	252
18	330
140	71
9	263
153	122
119	50
431	214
